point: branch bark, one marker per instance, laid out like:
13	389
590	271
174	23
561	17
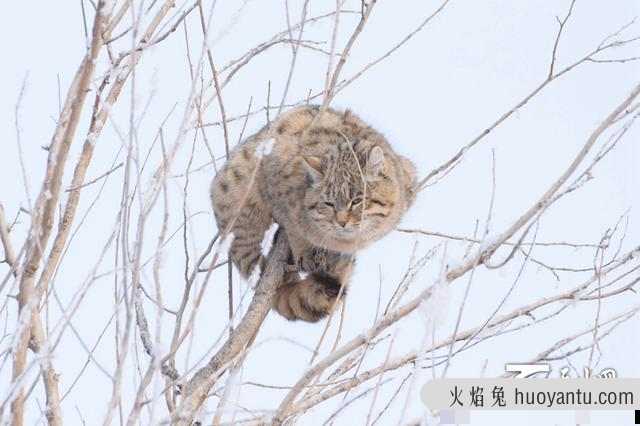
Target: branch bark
196	390
43	213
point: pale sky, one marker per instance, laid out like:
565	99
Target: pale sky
472	63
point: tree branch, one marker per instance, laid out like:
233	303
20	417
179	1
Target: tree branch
196	390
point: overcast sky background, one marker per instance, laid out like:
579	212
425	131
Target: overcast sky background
469	65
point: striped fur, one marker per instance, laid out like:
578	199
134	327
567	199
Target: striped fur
332	183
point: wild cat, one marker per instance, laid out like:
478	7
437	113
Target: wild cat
331	183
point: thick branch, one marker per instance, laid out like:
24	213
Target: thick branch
43	213
197	389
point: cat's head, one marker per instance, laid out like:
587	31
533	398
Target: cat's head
355	195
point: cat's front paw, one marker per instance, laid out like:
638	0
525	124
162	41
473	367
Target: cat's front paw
291	268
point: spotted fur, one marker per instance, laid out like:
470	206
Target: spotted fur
332	182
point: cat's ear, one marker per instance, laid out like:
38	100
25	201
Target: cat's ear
375	162
314	165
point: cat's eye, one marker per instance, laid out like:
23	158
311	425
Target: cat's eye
356	201
328	204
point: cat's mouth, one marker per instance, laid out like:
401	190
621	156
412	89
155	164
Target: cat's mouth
346	239
348	232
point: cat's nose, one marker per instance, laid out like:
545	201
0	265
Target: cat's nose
342	218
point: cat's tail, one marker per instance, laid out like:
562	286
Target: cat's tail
309	299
